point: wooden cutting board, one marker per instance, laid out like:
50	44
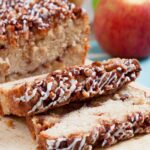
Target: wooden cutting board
14	135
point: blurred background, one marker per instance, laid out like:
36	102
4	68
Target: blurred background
122	29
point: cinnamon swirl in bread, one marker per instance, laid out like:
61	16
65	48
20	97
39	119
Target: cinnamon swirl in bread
78	83
101	122
38	36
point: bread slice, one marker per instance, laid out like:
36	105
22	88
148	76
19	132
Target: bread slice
39	36
61	87
101	122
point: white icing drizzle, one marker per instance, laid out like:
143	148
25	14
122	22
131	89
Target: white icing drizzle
119	69
97	81
117	131
121	132
105	82
100	81
58	142
124	130
82	143
45	95
25	26
133	75
95	136
120	79
73	144
55	144
26	97
39	13
62	96
89	147
50	144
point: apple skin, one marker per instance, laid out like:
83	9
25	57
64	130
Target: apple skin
123	28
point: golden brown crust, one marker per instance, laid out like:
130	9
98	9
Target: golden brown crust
1	110
15	106
31	127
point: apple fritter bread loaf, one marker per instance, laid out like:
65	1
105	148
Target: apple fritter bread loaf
77	83
39	36
101	122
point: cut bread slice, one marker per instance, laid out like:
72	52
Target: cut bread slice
101	122
39	36
33	96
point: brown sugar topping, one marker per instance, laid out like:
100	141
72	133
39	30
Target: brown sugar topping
23	15
105	135
79	83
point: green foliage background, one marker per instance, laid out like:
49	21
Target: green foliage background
95	3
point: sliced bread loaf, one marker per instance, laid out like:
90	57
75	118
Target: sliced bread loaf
101	122
79	83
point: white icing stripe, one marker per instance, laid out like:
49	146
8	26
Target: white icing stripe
119	80
114	77
62	97
101	79
73	144
107	80
59	141
82	143
116	132
67	85
45	95
124	130
38	12
52	144
95	136
26	97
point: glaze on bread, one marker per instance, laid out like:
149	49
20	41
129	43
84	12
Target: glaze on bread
101	122
77	83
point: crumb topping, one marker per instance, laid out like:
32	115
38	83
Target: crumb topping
23	15
79	83
106	134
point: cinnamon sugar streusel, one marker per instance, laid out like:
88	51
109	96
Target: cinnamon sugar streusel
102	122
25	15
61	87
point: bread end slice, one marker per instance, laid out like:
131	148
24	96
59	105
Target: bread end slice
7	92
4	104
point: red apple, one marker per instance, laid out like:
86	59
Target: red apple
122	27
